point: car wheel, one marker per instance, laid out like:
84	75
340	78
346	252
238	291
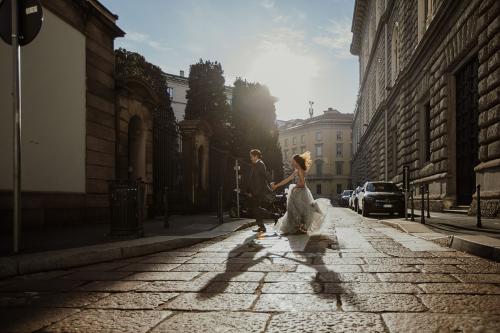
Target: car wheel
365	212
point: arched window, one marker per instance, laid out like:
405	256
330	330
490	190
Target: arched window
395	53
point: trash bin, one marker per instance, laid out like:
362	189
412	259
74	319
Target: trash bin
127	208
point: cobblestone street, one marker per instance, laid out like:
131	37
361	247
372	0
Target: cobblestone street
357	276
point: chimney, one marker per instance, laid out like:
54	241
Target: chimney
182	73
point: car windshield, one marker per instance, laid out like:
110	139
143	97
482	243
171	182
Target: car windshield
381	187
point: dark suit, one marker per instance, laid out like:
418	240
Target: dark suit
258	187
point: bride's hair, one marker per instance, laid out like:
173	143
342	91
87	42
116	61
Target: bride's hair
303	160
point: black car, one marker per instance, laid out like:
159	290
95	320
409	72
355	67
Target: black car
381	197
344	198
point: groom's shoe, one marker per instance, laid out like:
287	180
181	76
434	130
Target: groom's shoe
260	229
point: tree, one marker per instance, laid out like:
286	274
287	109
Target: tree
206	99
254	124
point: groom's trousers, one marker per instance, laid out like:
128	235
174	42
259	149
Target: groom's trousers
258	212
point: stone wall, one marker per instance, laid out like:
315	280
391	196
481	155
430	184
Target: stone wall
459	31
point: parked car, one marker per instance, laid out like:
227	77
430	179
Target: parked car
380	197
344	198
353	200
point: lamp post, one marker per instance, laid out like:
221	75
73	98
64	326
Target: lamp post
311	110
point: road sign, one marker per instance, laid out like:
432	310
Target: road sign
30	18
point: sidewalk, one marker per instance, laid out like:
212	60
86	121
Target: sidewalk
63	237
88	244
456	231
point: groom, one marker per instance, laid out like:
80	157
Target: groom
257	188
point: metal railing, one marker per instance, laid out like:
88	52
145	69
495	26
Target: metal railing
127	202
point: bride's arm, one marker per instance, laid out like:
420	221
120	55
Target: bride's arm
284	181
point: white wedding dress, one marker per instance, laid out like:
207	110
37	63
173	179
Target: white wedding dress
303	213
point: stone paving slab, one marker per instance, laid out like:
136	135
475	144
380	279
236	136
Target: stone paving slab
381	303
112	321
433	322
143	267
297	302
347	277
112	286
290	277
415	277
326	322
231	287
292	288
243	322
479	278
371	288
96	276
459	288
211	301
134	301
160	276
477	304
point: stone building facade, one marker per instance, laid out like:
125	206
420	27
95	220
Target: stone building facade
429	97
328	138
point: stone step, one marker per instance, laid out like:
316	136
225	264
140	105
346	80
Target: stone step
463	210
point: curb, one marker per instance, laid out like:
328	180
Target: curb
81	256
478	245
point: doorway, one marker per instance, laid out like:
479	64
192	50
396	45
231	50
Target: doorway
467	131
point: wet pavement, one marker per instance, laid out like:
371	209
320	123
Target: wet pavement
357	275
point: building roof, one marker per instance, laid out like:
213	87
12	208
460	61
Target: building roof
330	116
184	80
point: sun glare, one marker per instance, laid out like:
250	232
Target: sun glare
288	74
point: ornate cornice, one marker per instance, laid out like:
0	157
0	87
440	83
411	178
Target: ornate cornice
358	19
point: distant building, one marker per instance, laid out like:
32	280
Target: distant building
429	98
328	138
177	88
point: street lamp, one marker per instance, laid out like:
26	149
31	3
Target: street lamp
311	110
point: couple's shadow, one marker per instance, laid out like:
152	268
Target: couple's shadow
311	254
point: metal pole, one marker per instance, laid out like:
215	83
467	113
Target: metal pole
422	205
16	104
237	167
386	146
406	204
412	206
478	193
428	202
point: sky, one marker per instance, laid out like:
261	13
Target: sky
298	48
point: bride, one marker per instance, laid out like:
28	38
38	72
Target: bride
303	213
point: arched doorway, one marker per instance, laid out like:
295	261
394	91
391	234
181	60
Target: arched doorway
136	149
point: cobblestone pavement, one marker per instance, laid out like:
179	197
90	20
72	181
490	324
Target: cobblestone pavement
356	276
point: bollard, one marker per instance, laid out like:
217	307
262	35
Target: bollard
422	204
428	203
412	206
478	198
166	223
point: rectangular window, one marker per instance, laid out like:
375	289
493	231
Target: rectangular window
294	140
339	188
339	135
303	139
338	167
339	150
285	156
319	150
302	149
170	92
318	136
319	168
294	151
286	142
318	188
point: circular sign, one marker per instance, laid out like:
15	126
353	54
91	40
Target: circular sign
30	18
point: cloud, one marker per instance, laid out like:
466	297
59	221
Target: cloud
268	4
146	39
337	37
